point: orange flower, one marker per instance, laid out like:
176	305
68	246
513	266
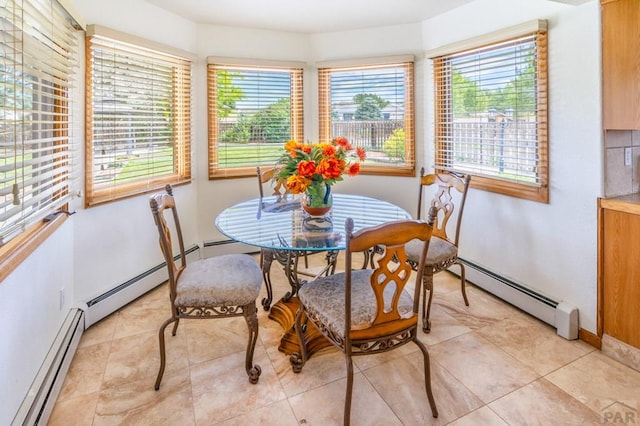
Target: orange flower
354	169
328	150
306	168
297	184
343	143
329	168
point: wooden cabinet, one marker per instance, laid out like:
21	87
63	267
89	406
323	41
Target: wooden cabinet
619	269
621	64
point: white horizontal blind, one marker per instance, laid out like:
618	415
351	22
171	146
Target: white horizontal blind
138	119
253	111
37	65
372	106
490	113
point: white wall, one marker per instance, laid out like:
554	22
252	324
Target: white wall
548	247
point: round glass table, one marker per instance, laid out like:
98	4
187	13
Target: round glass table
282	224
286	233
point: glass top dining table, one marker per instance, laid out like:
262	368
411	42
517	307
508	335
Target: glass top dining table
275	224
285	233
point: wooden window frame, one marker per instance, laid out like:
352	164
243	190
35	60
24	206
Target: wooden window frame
214	64
325	69
443	110
180	119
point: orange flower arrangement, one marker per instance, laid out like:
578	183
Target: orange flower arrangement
313	168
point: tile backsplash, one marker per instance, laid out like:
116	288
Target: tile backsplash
622	177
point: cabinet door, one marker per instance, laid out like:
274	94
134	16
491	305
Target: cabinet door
621	276
621	64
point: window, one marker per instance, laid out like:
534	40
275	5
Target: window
138	135
37	67
491	115
372	106
253	111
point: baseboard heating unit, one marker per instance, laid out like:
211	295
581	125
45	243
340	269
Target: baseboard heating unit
112	300
42	395
561	315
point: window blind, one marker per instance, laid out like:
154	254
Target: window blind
37	143
491	111
373	107
138	135
253	111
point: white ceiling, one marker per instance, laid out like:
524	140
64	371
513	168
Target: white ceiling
309	16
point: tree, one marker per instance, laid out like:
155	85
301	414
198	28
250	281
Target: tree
273	123
227	93
369	106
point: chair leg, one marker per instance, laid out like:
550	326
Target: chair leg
251	316
427	285
266	258
427	377
463	284
298	360
349	391
163	356
175	327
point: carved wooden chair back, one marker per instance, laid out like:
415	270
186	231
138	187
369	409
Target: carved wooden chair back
266	176
443	200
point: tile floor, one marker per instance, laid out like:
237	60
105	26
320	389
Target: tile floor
491	365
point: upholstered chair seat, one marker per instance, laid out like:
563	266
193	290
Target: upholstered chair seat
324	299
440	252
232	279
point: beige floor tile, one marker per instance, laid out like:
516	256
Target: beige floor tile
134	320
481	366
323	367
100	332
365	362
542	403
534	343
221	388
86	371
209	339
137	358
324	406
483	416
483	309
401	384
443	327
137	403
599	382
276	414
78	411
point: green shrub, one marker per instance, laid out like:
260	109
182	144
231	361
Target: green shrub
394	146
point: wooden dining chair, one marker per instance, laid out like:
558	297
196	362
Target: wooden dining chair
449	191
368	311
217	287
